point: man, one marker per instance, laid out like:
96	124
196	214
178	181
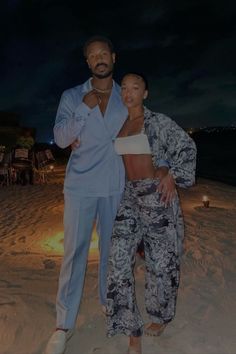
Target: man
93	114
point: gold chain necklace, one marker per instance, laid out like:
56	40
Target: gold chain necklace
102	91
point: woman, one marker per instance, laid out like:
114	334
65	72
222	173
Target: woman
150	212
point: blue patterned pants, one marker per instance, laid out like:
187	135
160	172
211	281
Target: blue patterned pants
142	216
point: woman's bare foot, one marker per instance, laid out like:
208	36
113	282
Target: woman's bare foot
154	329
135	345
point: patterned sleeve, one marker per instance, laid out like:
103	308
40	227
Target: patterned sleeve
181	154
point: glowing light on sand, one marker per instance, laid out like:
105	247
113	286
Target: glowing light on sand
54	244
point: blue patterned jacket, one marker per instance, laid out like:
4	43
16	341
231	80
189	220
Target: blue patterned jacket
170	142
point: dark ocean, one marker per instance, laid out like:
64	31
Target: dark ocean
216	158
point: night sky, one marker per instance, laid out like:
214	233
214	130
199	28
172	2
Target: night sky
186	48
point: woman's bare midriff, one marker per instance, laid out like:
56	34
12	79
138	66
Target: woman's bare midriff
138	166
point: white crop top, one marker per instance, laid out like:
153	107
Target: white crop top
132	144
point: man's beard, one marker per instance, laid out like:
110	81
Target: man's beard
103	76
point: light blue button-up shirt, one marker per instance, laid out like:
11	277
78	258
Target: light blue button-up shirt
94	169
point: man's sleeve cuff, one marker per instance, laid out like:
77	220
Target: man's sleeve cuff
163	163
82	110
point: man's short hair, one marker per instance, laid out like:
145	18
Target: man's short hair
97	38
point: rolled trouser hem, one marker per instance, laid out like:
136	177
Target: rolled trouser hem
160	320
66	324
126	331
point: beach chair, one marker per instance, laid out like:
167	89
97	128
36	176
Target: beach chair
44	161
4	169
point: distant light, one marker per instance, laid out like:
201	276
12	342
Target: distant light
190	131
51	167
51	142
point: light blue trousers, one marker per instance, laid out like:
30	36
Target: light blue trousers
79	216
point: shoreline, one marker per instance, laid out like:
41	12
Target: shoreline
231	181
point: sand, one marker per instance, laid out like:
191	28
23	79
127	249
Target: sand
31	236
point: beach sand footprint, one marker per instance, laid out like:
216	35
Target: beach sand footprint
49	264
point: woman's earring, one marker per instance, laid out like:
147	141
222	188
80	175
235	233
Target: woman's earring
145	95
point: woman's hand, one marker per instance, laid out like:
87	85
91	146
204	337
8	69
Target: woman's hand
166	186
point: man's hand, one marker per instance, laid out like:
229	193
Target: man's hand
91	99
166	186
75	144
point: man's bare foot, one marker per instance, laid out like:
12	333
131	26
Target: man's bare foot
135	345
154	329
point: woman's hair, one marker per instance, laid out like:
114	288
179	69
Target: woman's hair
139	74
97	38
